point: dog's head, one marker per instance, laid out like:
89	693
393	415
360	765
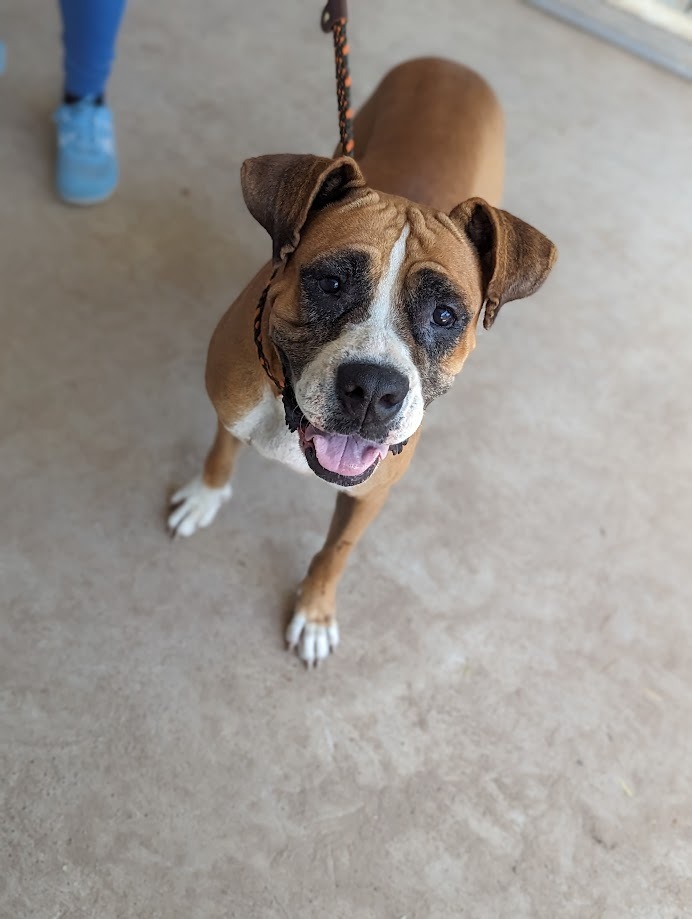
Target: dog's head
375	309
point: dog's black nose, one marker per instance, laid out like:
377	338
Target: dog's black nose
371	393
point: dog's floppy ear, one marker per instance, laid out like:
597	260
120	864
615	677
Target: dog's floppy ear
281	189
514	257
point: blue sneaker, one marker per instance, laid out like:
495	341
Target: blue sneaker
87	162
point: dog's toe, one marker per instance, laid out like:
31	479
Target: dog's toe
194	506
313	642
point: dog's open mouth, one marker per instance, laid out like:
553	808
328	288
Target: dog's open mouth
343	459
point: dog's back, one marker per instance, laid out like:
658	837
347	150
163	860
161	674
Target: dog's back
433	132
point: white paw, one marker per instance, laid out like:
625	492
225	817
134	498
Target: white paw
195	506
313	642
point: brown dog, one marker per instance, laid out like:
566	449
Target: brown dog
381	268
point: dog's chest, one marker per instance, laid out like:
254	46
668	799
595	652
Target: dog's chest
264	428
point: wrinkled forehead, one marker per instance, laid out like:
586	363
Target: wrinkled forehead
388	232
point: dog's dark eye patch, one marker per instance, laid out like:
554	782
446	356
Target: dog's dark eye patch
325	306
429	295
336	285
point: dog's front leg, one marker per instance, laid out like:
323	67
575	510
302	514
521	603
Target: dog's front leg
197	503
313	630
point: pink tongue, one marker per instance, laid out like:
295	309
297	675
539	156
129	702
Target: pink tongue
348	455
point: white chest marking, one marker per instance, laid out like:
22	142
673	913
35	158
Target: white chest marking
264	428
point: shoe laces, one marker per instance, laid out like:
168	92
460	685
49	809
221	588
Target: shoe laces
83	126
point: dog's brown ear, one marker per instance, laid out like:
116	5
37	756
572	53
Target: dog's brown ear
280	190
514	257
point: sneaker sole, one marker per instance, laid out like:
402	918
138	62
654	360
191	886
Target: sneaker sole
85	202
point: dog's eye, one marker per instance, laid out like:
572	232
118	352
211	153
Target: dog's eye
444	316
330	285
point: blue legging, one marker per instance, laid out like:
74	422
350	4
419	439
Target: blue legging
90	29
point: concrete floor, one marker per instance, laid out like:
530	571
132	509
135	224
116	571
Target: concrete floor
507	728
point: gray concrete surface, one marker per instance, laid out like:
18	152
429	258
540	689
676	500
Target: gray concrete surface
506	730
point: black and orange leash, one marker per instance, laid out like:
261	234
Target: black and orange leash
334	20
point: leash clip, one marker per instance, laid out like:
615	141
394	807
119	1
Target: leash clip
334	11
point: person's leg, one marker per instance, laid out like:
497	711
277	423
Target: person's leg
90	30
87	165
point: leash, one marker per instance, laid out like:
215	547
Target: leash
334	19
